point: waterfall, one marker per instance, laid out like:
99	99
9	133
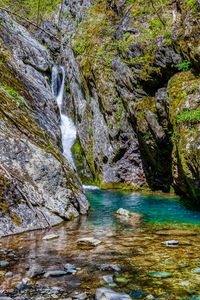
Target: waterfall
67	127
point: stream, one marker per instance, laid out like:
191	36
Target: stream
149	269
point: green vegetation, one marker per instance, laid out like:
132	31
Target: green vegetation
183	66
35	10
190	116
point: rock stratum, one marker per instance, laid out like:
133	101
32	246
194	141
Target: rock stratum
132	89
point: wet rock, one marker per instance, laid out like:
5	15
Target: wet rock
6	298
55	273
150	297
4	263
129	217
9	274
121	279
108	294
109	279
171	243
79	296
160	274
185	283
50	237
23	286
88	241
35	271
138	294
196	270
70	269
109	267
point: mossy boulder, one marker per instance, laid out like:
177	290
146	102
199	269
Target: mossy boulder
184	115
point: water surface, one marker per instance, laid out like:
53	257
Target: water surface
138	250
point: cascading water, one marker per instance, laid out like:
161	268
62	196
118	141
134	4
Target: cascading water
67	127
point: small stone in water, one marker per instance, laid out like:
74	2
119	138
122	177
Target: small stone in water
9	274
196	270
35	271
160	274
4	263
171	243
90	241
50	237
108	294
55	273
5	298
70	269
184	283
138	294
108	279
81	296
150	297
109	267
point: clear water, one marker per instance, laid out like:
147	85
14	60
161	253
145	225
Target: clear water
154	208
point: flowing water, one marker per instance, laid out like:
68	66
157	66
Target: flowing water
137	249
67	127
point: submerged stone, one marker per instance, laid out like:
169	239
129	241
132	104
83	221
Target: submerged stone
196	270
138	294
160	274
55	273
109	267
4	263
88	241
50	237
171	243
108	294
70	269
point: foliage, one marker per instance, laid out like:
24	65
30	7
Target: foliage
190	116
185	65
35	10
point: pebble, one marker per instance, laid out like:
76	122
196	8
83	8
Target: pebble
150	297
109	267
55	273
50	237
108	294
160	274
196	270
185	283
90	241
4	263
108	279
70	269
35	271
5	298
9	274
171	243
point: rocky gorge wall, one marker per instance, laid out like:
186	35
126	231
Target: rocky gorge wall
132	89
38	188
133	74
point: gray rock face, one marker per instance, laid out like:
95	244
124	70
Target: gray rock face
31	64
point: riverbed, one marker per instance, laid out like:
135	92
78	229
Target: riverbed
146	265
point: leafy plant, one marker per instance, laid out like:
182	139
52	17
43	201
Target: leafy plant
190	116
185	65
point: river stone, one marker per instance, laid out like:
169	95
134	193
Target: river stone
70	269
196	270
35	271
6	298
88	241
50	237
109	267
55	273
171	243
138	294
4	263
9	274
160	274
108	279
123	212
108	294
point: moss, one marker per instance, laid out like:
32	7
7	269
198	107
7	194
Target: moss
123	186
189	116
